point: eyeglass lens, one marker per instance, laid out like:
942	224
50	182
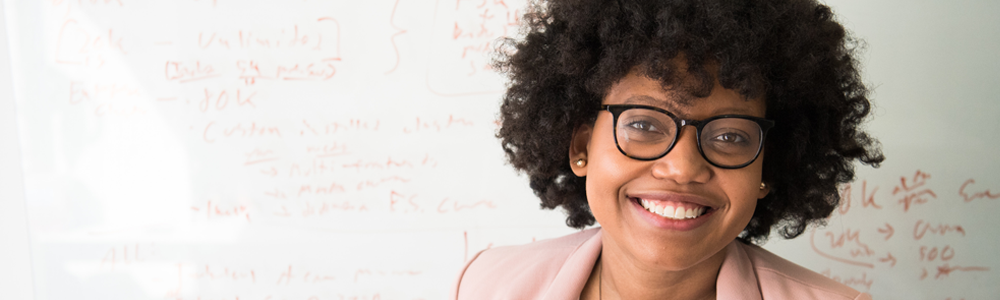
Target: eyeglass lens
649	134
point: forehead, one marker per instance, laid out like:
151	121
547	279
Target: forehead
636	89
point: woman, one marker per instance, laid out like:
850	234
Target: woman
688	130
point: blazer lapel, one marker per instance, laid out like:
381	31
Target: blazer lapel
737	279
574	273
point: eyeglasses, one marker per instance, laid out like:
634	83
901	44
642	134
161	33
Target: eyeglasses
725	141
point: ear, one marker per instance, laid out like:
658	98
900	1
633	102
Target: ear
763	192
578	146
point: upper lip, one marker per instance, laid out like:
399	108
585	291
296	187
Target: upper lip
671	196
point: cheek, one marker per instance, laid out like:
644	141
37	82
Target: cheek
606	174
743	192
747	207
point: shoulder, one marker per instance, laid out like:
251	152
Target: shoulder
779	278
527	271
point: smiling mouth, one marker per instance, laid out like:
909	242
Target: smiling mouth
673	210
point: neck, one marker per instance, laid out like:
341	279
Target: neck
626	277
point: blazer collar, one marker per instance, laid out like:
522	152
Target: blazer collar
570	280
737	278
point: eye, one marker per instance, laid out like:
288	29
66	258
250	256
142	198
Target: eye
642	129
643	125
731	138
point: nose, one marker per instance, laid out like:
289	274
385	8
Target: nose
684	163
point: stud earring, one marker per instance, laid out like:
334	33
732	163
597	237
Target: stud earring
581	162
763	185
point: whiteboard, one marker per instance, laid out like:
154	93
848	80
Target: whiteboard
922	225
220	149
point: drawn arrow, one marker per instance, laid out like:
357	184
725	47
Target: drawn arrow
888	231
889	258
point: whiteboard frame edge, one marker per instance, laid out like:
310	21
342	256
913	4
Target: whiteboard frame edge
16	276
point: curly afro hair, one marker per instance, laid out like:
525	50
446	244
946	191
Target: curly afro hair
790	52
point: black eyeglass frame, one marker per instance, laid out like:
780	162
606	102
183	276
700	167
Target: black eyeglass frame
617	110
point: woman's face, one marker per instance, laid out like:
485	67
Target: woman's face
618	185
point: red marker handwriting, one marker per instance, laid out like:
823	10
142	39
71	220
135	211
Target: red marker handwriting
213	131
308	277
921	228
328	150
863	280
126	254
945	270
985	194
913	191
80	92
932	253
476	27
339	127
812	241
258	155
425	125
270	172
373	183
448	205
838	241
319	36
317	69
888	259
399	31
213	273
310	208
887	230
867	199
219	100
309	189
184	72
286	276
318	167
402	202
278	194
78	45
107	99
215	210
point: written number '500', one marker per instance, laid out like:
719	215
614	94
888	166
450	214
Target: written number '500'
932	253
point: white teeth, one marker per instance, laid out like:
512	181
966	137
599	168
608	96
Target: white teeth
668	211
679	213
671	212
651	207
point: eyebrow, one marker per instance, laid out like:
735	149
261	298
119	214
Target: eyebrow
648	100
676	109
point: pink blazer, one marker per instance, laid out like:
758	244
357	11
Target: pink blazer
559	268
